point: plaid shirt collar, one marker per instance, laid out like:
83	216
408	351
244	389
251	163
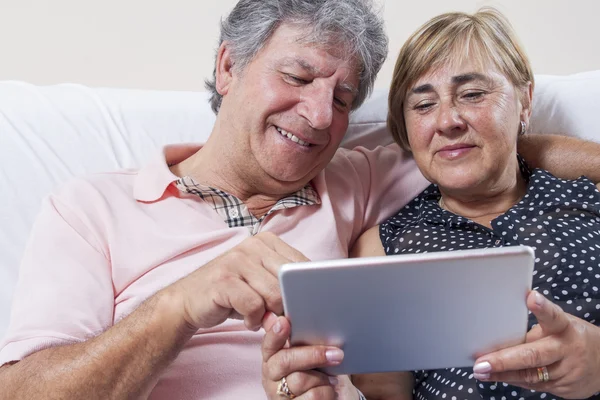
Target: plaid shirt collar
234	212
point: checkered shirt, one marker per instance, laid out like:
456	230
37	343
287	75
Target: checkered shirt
234	212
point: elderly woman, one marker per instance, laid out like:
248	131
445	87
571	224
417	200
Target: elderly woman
461	94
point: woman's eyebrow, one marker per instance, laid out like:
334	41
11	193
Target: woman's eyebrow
469	77
425	88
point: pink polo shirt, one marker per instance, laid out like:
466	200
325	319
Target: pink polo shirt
104	243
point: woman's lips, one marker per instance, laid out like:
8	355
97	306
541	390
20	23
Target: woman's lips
454	152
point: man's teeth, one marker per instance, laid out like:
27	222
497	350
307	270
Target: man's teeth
292	137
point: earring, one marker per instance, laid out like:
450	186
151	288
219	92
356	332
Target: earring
523	128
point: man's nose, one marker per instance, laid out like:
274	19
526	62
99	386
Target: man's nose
317	107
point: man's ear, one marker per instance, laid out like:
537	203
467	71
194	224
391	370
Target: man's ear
526	102
223	69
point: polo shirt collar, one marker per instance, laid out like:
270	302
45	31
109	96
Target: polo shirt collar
153	179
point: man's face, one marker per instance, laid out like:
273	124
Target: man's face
287	111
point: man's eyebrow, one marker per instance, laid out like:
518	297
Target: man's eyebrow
314	71
306	66
348	88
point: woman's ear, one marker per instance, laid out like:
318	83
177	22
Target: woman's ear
223	69
526	102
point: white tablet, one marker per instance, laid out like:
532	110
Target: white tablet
410	312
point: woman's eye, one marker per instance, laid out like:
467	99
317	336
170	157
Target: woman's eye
473	95
423	106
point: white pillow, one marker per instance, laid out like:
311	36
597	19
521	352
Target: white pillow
567	105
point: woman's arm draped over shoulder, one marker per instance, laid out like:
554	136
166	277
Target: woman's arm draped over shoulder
563	156
384	386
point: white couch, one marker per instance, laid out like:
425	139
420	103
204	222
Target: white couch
48	134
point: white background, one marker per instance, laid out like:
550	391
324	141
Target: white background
169	44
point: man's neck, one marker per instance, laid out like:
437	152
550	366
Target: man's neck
215	167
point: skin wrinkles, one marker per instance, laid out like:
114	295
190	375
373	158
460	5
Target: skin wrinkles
307	110
311	70
299	73
479	112
289	85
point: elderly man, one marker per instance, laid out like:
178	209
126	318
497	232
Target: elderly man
156	283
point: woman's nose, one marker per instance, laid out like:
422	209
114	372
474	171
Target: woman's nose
449	119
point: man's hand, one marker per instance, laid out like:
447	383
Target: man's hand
242	283
123	361
563	156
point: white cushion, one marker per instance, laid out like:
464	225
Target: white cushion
48	134
567	105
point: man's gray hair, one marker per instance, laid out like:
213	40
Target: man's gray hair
350	24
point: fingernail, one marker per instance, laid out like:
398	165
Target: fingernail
277	327
333	380
334	355
539	299
482	368
481	377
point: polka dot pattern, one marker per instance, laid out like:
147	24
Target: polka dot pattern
560	219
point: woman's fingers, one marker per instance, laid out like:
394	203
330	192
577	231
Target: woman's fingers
302	382
560	355
542	347
303	358
296	364
551	318
540	353
535	333
319	393
529	376
277	333
282	361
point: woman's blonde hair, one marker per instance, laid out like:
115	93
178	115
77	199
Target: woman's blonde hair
486	37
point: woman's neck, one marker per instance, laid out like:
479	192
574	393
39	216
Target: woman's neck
487	205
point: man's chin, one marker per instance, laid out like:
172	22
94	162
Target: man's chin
296	176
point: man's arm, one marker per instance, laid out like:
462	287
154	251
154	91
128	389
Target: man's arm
121	363
563	156
125	360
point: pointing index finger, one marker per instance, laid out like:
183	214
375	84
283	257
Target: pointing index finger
282	248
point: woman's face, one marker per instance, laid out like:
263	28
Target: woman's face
462	123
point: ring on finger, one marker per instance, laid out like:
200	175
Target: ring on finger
543	375
284	390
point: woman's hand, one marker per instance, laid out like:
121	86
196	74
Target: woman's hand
297	364
568	347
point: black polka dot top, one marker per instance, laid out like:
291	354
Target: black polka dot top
559	218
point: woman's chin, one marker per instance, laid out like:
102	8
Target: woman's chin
461	183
